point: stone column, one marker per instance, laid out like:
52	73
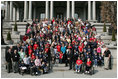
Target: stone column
11	10
14	13
6	11
17	14
51	10
34	13
73	9
89	10
46	10
94	10
30	11
84	13
68	9
25	10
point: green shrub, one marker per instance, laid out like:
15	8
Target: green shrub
15	27
104	28
8	36
113	35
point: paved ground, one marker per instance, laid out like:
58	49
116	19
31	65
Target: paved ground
63	72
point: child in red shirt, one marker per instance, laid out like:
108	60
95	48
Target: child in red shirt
60	57
78	65
33	56
88	65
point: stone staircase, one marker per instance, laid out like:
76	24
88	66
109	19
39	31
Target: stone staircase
9	27
99	27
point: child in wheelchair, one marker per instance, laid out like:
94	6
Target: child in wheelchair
22	67
88	65
78	65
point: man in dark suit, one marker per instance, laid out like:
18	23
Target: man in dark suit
69	58
8	58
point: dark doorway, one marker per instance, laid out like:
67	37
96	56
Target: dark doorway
59	15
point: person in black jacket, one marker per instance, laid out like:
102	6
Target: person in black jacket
107	55
15	59
32	67
8	58
69	58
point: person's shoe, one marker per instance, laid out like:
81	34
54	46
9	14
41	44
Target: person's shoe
69	69
36	73
86	72
76	70
106	68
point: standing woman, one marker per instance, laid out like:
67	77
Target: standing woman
63	50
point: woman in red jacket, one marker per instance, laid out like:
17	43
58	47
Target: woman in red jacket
88	65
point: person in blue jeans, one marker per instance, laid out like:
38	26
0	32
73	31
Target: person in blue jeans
78	65
95	60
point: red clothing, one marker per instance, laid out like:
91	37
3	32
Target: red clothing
33	56
46	50
53	20
69	47
88	63
35	46
73	42
29	47
30	52
69	22
58	48
78	62
92	39
25	38
47	45
60	55
93	29
82	45
80	48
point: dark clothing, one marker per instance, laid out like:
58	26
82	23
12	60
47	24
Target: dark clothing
8	57
106	53
69	57
15	57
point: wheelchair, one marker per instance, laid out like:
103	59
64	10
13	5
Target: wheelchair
81	69
91	70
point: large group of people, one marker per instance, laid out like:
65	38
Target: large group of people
47	43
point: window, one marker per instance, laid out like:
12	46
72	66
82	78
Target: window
42	15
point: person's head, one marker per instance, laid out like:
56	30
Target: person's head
21	50
35	42
11	47
95	53
62	44
25	56
89	46
78	58
36	57
88	59
9	50
84	50
106	48
22	61
32	61
15	51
